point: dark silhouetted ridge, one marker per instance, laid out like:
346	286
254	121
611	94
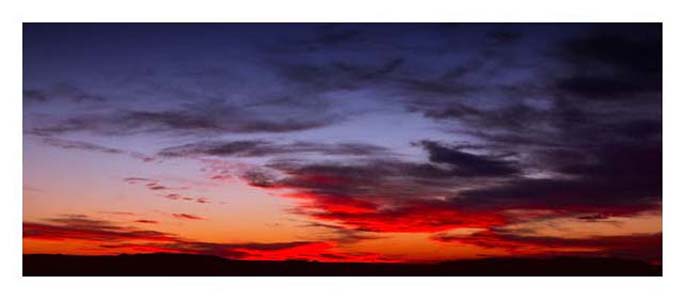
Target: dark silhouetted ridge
203	265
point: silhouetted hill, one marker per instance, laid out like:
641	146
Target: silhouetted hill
202	265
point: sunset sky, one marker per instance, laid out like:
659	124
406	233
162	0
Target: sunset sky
343	142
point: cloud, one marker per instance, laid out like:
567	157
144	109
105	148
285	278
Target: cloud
186	216
165	191
146	221
67	144
593	218
60	92
408	217
151	184
612	179
316	80
334	35
458	189
466	164
387	195
85	146
342	234
252	148
118	213
81	227
634	246
209	117
133	180
303	250
501	37
378	196
630	58
119	239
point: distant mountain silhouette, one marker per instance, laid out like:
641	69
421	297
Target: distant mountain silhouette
202	265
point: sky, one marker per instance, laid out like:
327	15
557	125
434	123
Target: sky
343	142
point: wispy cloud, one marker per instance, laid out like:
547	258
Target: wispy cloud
185	216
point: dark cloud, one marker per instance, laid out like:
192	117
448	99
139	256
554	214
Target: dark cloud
150	184
61	92
342	234
249	148
362	72
375	178
636	246
85	146
111	236
641	129
591	87
186	216
626	62
81	227
594	154
196	119
593	217
166	192
504	36
332	36
259	178
584	195
466	164
315	80
134	180
146	221
34	96
119	213
630	47
615	178
67	144
305	250
155	187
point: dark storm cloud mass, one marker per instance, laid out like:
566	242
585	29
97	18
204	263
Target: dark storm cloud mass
615	62
618	178
596	139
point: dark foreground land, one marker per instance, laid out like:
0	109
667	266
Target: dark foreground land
201	265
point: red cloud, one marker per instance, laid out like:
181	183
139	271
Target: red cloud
413	217
110	237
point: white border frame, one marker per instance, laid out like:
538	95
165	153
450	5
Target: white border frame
667	287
